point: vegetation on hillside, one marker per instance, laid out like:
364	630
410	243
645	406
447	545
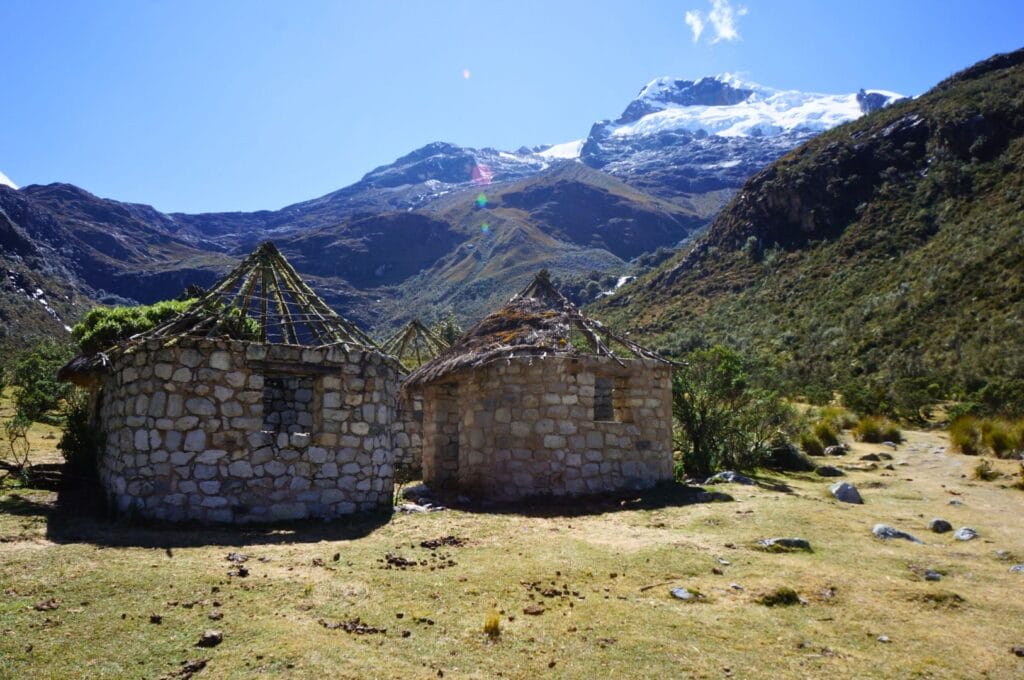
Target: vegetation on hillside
881	260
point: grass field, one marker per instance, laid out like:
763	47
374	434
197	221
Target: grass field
600	570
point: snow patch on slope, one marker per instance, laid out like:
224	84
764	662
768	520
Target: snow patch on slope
566	150
6	181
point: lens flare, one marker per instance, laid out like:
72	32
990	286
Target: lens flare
466	74
481	200
481	174
485	228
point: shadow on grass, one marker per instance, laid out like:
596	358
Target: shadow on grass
665	495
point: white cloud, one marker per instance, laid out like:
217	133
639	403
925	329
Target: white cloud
696	24
722	19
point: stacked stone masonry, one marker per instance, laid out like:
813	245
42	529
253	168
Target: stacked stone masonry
526	427
227	431
408	435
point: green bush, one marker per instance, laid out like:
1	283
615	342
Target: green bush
839	417
35	374
811	445
723	421
826	433
104	327
876	430
965	435
81	440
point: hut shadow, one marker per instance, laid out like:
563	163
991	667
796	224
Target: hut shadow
665	495
80	515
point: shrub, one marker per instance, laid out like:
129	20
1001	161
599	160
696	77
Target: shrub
781	597
35	372
811	445
965	435
81	441
983	471
1000	437
104	327
784	456
826	433
492	623
18	447
839	417
875	430
723	421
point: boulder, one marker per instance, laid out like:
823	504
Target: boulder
784	544
846	493
884	531
730	477
1017	569
940	526
965	534
685	595
837	450
829	471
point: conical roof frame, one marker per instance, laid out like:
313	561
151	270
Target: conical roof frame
264	297
537	321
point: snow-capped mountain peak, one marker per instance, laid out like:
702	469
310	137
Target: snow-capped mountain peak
6	181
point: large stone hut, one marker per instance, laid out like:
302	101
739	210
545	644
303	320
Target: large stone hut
413	345
259	403
533	401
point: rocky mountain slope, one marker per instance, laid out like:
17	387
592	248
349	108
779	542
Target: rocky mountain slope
889	248
443	227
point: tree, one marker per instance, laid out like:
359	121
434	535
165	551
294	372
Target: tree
448	328
723	421
35	374
16	433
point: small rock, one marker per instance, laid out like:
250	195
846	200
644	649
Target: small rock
736	586
215	615
846	493
837	450
884	639
955	501
47	605
1017	649
965	534
237	557
884	531
729	477
829	471
684	594
932	575
785	543
210	638
891	445
156	618
873	457
1017	569
534	610
940	526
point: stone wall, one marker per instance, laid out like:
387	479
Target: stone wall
408	435
526	427
228	431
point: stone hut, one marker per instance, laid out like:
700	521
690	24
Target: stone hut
257	404
413	345
533	401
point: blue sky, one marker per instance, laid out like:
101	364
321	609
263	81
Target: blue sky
197	106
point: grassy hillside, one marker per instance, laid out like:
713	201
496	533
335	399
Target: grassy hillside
889	251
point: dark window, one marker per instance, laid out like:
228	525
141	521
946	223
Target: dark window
604	407
288	403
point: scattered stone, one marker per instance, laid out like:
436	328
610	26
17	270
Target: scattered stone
435	543
686	595
955	501
829	471
236	557
891	445
413	508
940	526
884	531
846	493
353	626
884	639
47	605
1017	569
210	638
534	610
729	477
215	615
785	544
965	534
156	618
932	575
1017	649
837	450
873	457
736	586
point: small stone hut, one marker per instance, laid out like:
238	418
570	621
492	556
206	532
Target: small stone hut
533	401
413	345
259	403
